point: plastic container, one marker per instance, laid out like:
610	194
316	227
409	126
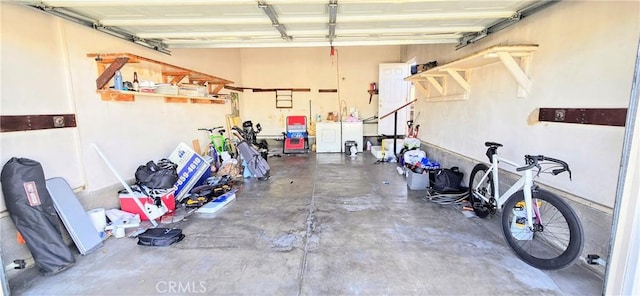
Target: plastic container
417	181
117	81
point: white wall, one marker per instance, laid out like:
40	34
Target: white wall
585	60
350	71
45	70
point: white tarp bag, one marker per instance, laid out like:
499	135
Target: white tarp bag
414	156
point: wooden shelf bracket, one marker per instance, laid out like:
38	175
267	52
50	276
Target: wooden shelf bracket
459	70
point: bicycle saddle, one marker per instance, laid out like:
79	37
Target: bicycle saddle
492	144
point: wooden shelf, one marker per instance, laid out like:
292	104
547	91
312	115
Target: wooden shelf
109	63
123	95
436	79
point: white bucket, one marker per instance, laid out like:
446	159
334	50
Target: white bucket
119	232
98	219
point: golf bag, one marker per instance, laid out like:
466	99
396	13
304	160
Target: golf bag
250	134
257	165
34	215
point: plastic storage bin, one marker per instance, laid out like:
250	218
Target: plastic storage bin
418	181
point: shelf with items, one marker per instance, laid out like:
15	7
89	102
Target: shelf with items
515	58
126	95
109	63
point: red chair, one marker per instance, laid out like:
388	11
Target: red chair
296	138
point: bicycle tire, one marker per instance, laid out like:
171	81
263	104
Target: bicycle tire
481	207
556	244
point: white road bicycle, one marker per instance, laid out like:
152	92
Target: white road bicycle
539	226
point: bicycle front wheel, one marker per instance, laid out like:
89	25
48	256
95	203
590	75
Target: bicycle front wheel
556	239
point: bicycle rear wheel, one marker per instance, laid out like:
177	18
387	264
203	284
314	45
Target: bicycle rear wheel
480	207
553	244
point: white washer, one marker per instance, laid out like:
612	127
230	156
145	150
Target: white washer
353	131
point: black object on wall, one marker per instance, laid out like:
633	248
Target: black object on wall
597	116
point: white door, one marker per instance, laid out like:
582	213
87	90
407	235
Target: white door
392	93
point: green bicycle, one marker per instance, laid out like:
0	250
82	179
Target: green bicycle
219	147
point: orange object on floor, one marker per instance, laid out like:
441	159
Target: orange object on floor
20	238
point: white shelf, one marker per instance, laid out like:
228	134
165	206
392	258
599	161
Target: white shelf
435	80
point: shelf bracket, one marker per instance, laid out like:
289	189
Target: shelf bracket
440	87
108	73
520	74
424	89
462	81
216	89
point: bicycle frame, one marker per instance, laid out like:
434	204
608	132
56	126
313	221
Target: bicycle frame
218	141
525	183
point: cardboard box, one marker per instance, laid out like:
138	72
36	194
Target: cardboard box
191	167
127	203
418	181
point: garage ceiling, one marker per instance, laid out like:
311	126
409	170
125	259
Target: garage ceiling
165	24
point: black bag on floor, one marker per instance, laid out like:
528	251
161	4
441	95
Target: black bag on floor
34	215
448	180
160	237
257	165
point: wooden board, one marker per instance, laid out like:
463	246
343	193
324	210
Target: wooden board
597	116
13	123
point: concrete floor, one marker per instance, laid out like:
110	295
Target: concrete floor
322	225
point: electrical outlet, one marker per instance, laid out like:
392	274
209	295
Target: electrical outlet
58	121
559	115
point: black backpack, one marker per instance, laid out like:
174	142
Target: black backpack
157	176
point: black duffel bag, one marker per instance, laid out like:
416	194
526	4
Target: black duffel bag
157	176
448	180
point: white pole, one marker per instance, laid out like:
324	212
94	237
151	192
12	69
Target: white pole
126	186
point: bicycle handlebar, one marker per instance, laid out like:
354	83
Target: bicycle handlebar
211	130
532	161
